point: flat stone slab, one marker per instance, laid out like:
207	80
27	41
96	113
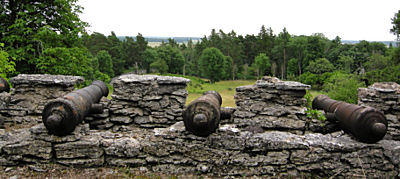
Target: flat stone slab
46	79
283	85
386	87
132	78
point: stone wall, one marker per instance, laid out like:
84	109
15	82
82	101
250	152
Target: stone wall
229	152
30	93
386	98
272	104
269	135
145	101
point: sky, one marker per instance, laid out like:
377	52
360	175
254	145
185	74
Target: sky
348	19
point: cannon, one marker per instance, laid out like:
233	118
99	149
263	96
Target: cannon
62	115
202	116
366	124
4	86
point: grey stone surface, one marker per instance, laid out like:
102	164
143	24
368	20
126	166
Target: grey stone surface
148	101
273	104
45	79
31	92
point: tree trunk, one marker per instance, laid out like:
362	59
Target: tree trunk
184	69
284	64
299	63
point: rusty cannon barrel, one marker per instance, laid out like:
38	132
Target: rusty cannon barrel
202	116
62	115
365	123
4	86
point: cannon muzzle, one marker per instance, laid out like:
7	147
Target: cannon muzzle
367	124
4	86
62	115
202	116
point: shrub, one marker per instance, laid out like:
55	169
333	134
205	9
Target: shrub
343	87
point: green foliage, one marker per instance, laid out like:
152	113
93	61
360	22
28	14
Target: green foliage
28	28
377	62
343	87
173	58
320	65
390	73
105	63
7	65
316	81
312	113
101	76
212	64
262	64
345	63
396	25
149	56
227	67
382	69
309	78
66	61
293	67
160	66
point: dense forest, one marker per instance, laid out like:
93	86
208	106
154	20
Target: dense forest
48	37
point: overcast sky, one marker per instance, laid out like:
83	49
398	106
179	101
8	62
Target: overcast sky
348	19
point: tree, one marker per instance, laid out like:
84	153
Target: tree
212	64
189	54
319	66
345	63
377	62
173	57
66	61
284	38
298	47
160	65
28	28
7	65
95	42
149	57
115	49
262	64
292	67
105	63
396	25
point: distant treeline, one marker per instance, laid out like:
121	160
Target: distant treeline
49	37
164	39
387	43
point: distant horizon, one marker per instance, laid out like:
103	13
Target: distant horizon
167	37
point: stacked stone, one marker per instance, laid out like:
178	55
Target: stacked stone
4	101
272	104
386	98
146	101
229	152
30	93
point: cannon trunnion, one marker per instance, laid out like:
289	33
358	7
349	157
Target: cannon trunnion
202	116
62	115
367	124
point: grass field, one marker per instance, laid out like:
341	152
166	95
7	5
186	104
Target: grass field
226	89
